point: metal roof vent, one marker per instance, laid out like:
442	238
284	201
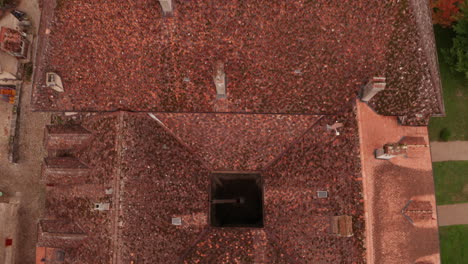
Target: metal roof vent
322	194
102	206
177	221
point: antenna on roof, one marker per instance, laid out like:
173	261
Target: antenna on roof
335	127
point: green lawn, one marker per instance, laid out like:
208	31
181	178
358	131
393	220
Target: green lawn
455	90
451	181
454	244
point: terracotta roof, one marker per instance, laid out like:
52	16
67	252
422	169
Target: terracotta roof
10	40
238	142
298	57
293	70
161	178
162	173
75	204
402	221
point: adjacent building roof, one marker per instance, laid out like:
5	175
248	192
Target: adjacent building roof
279	57
10	40
396	231
14	42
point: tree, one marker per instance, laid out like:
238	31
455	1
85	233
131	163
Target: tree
445	134
457	55
445	12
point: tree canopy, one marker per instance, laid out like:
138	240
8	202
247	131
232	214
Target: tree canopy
446	12
457	55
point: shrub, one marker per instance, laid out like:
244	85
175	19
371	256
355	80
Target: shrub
28	71
8	3
457	55
445	134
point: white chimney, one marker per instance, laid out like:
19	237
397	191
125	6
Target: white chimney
219	79
375	85
166	6
54	81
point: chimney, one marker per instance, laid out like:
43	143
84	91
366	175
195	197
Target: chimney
219	79
375	85
166	6
391	150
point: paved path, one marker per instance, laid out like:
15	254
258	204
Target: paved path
25	176
453	214
452	150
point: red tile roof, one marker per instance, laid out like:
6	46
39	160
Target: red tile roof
279	57
389	186
292	68
75	204
161	178
10	40
245	142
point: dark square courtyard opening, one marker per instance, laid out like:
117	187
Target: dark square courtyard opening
236	199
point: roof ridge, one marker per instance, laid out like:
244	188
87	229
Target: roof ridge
178	139
274	240
189	249
279	156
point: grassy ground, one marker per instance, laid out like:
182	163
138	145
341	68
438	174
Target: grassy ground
451	181
454	244
455	89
